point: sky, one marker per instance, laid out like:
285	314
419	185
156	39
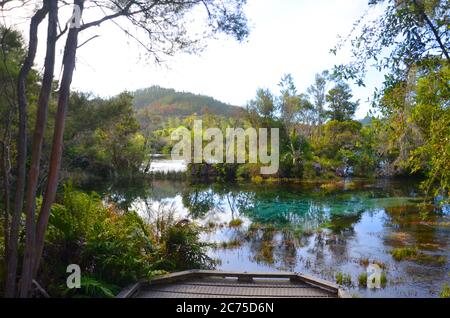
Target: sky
286	36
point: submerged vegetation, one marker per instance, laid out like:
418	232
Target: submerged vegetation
404	253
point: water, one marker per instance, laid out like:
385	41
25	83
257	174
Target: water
305	227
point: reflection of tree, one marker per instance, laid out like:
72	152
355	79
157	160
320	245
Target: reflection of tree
198	202
342	223
412	222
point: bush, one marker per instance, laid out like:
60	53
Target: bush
113	248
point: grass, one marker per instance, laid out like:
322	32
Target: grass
343	279
383	279
445	293
404	253
362	279
235	223
412	254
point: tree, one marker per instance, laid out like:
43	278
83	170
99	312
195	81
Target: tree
25	70
407	32
294	110
318	92
169	17
263	105
410	41
340	104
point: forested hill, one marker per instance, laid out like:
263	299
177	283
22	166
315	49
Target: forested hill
168	102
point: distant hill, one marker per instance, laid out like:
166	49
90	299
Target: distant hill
366	120
168	102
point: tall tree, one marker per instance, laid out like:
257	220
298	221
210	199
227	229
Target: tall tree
263	105
37	18
317	92
339	102
38	140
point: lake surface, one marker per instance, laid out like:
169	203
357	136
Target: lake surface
310	228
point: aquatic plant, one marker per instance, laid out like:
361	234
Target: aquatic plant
231	244
445	292
404	253
362	279
343	279
412	254
236	223
383	279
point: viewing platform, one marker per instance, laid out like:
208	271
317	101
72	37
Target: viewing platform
221	284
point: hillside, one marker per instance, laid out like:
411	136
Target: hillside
168	102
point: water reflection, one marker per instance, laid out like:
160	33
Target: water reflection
300	227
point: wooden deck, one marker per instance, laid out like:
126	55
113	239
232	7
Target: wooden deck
217	284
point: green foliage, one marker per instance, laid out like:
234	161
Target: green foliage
113	247
445	292
343	279
112	146
93	288
383	279
406	32
362	279
182	247
341	106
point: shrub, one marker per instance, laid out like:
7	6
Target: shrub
113	248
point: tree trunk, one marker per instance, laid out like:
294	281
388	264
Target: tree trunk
69	58
38	138
10	286
6	191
